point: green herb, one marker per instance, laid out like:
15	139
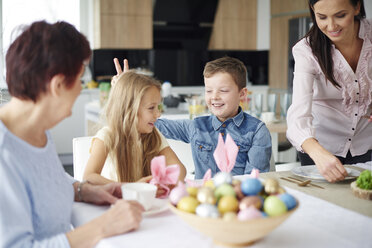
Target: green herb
364	180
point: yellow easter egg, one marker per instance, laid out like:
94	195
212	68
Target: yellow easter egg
209	184
229	216
193	191
228	203
188	204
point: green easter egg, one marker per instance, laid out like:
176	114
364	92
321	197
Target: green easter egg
273	206
224	190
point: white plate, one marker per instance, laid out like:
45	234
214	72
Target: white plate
160	205
312	172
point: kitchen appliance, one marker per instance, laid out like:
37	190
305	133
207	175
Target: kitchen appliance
298	27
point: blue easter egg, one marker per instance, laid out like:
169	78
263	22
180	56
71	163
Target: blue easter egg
251	186
288	200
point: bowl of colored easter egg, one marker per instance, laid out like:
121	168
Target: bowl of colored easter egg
235	213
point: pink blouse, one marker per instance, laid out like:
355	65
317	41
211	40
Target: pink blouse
330	115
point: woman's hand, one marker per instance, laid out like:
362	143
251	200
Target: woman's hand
101	194
328	165
119	70
122	217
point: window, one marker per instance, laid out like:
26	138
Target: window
15	13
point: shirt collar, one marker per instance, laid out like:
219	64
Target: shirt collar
237	120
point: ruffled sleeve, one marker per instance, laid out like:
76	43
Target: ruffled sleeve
299	117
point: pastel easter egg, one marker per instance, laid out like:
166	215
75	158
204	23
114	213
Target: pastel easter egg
224	190
209	183
251	186
228	203
273	206
229	216
193	191
206	210
206	195
288	200
248	201
177	193
221	178
188	204
249	214
271	186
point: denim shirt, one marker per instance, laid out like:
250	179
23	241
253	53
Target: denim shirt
250	135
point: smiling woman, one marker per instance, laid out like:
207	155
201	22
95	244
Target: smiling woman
332	88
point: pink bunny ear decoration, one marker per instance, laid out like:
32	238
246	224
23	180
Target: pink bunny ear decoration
225	153
206	177
162	174
254	173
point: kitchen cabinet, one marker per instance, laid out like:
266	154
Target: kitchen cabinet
123	24
281	12
237	25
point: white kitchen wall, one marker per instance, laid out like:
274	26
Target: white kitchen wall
368	8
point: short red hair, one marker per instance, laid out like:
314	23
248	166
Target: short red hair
42	51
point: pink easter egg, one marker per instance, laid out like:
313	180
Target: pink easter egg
177	193
249	214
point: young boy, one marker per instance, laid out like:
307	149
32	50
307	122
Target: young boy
225	80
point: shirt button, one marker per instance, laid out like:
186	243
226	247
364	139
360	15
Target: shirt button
200	147
223	125
222	134
349	139
357	93
357	101
356	114
238	147
356	81
353	129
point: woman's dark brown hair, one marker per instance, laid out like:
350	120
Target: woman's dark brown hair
42	51
321	45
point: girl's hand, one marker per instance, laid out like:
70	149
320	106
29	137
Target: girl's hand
370	118
119	71
161	191
101	194
145	179
122	217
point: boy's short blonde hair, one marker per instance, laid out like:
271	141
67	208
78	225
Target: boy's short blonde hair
229	65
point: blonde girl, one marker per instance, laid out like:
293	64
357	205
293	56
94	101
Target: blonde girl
122	150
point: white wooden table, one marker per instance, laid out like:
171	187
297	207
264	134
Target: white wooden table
316	223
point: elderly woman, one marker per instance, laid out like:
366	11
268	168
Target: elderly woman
44	65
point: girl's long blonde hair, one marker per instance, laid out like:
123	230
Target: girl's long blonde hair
130	151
